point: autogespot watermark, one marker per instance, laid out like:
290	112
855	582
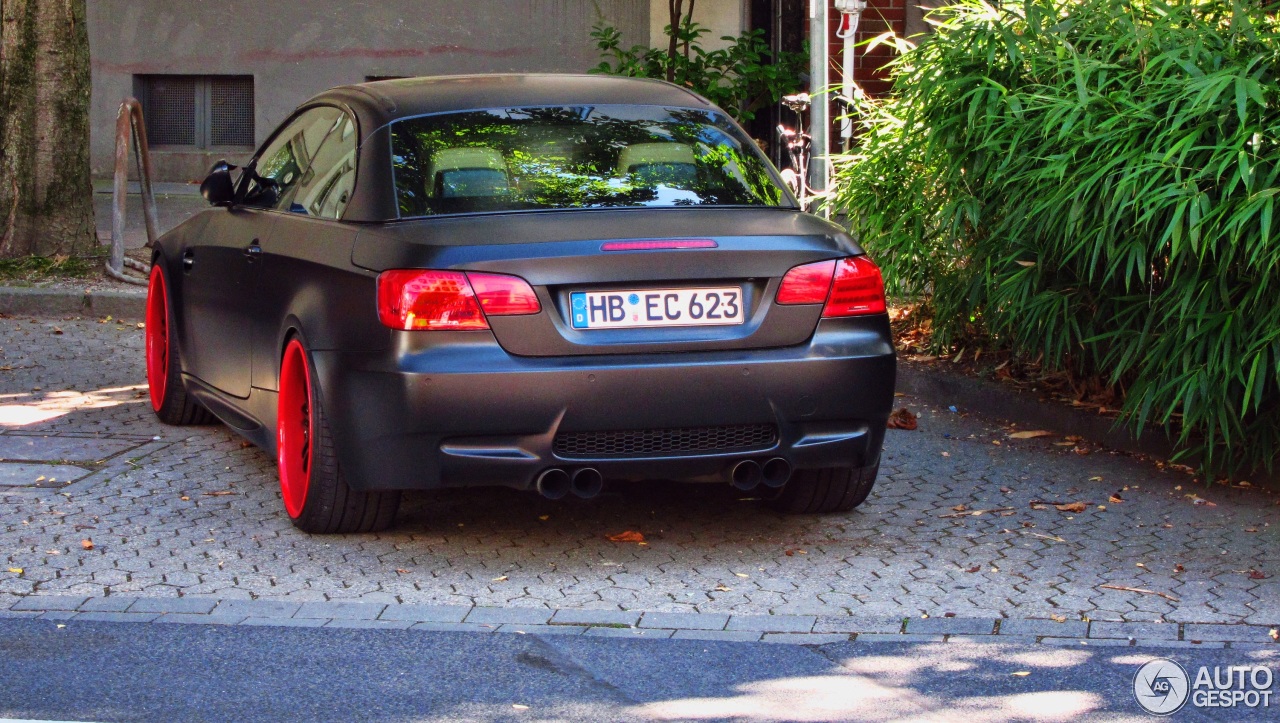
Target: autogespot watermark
1162	686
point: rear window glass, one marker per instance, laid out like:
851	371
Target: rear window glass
513	159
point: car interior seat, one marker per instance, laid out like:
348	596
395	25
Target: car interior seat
666	163
467	172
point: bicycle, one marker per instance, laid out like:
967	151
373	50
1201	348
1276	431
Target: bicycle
799	146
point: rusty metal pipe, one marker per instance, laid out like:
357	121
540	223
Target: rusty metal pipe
130	126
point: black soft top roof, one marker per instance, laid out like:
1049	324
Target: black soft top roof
389	100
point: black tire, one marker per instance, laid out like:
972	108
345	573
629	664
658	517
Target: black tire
328	504
835	489
169	398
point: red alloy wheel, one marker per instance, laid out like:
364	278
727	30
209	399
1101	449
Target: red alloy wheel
157	338
295	429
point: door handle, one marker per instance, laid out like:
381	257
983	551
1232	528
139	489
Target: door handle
253	250
188	260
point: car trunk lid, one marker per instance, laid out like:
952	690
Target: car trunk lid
566	253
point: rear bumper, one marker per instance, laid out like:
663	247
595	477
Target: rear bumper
454	409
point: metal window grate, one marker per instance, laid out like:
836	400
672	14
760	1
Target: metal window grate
231	110
197	111
169	107
679	441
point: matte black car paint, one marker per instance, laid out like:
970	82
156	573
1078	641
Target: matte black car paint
416	410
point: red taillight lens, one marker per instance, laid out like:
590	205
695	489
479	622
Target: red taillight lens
502	295
410	299
858	289
420	299
808	284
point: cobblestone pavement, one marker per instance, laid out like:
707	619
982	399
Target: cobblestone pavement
163	512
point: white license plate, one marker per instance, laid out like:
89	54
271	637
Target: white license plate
656	307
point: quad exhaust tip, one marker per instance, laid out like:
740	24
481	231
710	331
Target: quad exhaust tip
587	482
775	472
554	483
745	475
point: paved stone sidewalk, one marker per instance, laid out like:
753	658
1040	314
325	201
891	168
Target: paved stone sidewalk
194	513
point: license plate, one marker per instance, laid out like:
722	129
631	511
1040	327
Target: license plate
656	307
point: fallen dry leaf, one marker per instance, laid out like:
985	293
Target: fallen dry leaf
1275	634
86	543
220	493
1179	568
1116	499
1059	618
1258	575
1032	434
742	574
1198	500
628	536
722	588
57	331
402	571
903	419
500	579
960	508
975	568
544	518
1072	507
18	571
946	454
1021	673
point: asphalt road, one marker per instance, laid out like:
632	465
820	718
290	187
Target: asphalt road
88	671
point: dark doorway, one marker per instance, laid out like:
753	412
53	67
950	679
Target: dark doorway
785	24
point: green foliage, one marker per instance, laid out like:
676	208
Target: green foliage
1095	181
43	268
741	78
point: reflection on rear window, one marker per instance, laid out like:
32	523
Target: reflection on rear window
576	157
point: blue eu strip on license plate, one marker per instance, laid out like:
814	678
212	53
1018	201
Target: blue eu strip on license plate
656	307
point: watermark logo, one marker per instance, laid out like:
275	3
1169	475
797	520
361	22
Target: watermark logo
1161	686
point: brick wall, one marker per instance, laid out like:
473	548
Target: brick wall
879	17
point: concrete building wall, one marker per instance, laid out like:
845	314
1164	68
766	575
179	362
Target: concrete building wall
297	48
719	17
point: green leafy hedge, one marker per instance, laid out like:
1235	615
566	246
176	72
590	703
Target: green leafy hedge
1095	181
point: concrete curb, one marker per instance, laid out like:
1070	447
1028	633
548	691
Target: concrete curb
54	302
991	400
793	629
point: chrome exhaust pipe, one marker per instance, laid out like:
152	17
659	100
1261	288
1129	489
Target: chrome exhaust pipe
775	472
745	475
553	483
587	482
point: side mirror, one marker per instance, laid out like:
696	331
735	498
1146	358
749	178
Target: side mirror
217	187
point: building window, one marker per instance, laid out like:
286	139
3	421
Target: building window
197	111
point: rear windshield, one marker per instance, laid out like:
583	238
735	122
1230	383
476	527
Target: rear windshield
513	159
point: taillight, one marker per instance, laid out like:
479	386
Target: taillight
502	295
849	287
858	289
417	299
808	284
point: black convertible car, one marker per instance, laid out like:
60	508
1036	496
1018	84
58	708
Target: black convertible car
538	281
